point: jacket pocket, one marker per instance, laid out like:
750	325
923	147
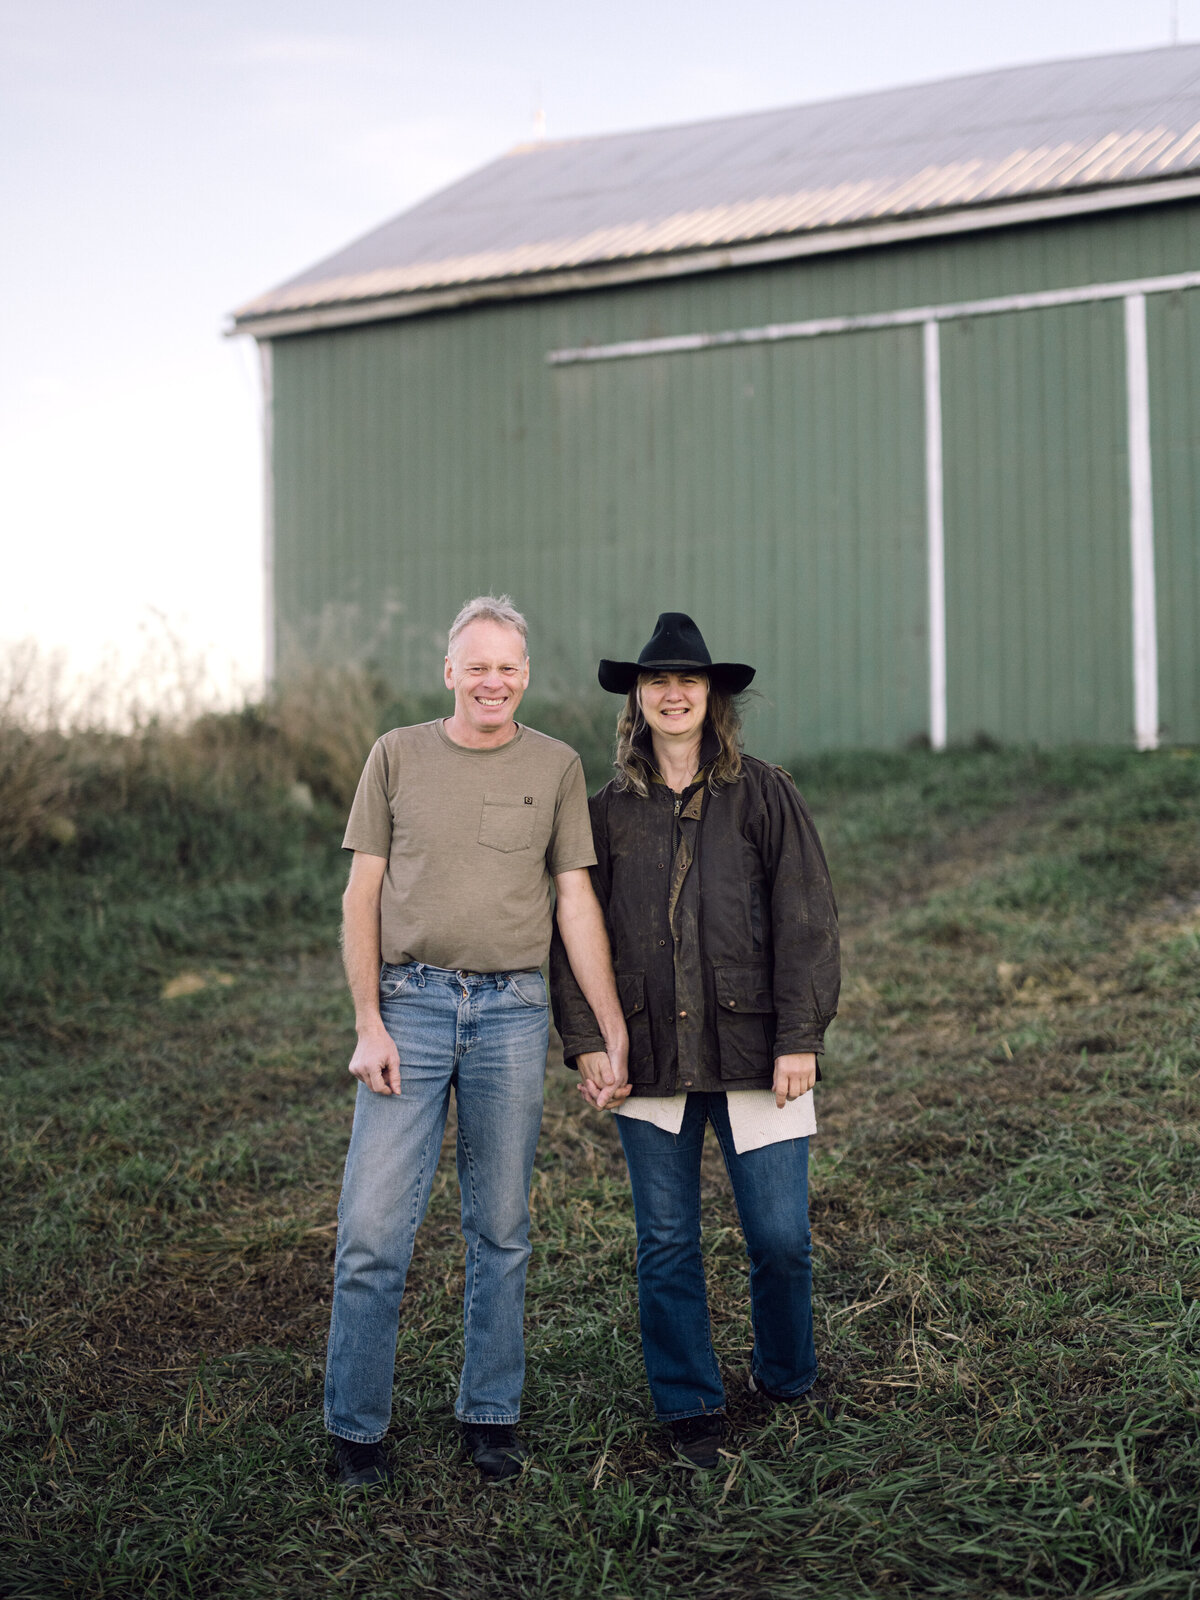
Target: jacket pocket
745	1020
631	991
507	822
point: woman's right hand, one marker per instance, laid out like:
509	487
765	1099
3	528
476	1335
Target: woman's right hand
601	1082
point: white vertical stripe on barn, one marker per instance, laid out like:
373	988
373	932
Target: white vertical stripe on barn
935	537
265	349
1141	526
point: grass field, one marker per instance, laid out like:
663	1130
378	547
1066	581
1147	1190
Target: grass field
1005	1210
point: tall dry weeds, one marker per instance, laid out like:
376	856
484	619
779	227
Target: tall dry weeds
327	718
34	787
69	744
35	779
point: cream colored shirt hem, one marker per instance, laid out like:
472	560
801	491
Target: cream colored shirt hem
754	1118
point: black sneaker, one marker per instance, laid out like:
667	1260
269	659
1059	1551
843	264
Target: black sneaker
698	1440
357	1464
494	1448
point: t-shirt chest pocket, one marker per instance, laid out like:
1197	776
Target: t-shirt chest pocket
507	821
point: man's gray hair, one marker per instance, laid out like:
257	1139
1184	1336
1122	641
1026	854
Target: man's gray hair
489	608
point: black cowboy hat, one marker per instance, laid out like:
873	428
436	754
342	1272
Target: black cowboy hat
676	645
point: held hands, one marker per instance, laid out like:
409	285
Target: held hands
604	1077
794	1076
603	1084
376	1061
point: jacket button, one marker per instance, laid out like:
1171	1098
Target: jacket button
683	1013
662	866
732	1003
661	942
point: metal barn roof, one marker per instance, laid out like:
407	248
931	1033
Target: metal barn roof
965	152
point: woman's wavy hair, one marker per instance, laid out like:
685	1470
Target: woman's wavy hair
635	769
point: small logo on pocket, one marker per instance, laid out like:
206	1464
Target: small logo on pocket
528	799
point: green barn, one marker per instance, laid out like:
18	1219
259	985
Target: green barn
898	395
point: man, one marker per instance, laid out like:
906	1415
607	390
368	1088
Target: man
458	829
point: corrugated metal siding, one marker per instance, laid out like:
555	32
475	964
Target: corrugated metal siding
777	496
1173	333
428	477
418	462
1037	543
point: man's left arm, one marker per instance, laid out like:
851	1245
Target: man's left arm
581	927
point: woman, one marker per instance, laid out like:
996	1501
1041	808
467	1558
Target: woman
724	938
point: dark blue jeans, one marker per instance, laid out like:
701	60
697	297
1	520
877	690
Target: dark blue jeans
770	1187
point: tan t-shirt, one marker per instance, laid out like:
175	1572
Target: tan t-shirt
472	839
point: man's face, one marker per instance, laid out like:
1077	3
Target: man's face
489	672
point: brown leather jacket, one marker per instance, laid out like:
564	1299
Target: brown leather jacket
723	927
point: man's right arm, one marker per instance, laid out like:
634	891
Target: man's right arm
603	1075
376	1061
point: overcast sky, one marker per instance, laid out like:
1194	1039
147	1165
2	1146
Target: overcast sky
166	160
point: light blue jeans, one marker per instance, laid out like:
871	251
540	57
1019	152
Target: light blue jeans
485	1035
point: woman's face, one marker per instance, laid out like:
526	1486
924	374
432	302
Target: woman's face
674	704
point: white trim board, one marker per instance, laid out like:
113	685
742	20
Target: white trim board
270	665
910	316
1141	526
1141	504
935	536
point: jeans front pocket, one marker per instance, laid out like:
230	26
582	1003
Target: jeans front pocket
506	822
529	988
393	981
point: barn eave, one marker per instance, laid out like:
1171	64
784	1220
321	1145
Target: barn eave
348	310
